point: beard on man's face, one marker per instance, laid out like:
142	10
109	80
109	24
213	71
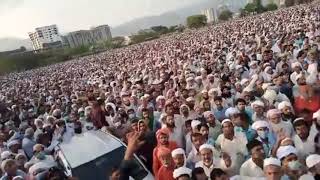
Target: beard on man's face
170	125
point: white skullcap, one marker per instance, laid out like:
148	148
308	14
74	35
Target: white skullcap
253	63
56	112
13	142
238	67
298	119
198	78
36	121
272	112
226	120
312	160
46	125
284	104
284	151
271	161
231	111
18	178
270	95
207	114
206	146
181	171
260	124
190	99
214	90
316	115
266	69
204	91
189	79
195	123
295	64
177	152
298	76
80	110
203	70
159	98
5	155
243	81
257	103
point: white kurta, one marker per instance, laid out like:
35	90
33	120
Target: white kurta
304	148
234	146
249	170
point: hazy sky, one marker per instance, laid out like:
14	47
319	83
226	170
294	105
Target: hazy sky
18	17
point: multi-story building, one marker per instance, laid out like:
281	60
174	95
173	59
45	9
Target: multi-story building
210	14
85	37
45	37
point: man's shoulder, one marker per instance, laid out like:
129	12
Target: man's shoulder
246	163
199	164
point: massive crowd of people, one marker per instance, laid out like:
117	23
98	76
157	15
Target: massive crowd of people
236	100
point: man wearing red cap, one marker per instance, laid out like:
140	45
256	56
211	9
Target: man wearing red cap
162	141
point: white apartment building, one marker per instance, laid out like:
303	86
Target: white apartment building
210	14
45	37
85	37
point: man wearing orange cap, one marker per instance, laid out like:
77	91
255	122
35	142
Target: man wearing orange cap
166	170
162	141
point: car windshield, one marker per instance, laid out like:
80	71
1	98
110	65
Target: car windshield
101	167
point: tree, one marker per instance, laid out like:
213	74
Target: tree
271	7
256	6
196	21
160	29
22	48
225	15
250	8
118	41
259	6
289	3
143	35
243	13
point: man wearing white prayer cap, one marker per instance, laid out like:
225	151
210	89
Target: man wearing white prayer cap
313	164
286	111
232	143
258	108
194	125
179	157
277	124
272	169
214	125
182	173
207	162
264	135
296	66
303	139
231	111
288	156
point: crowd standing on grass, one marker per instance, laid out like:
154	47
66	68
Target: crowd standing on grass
236	100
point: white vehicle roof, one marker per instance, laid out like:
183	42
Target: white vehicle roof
88	146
